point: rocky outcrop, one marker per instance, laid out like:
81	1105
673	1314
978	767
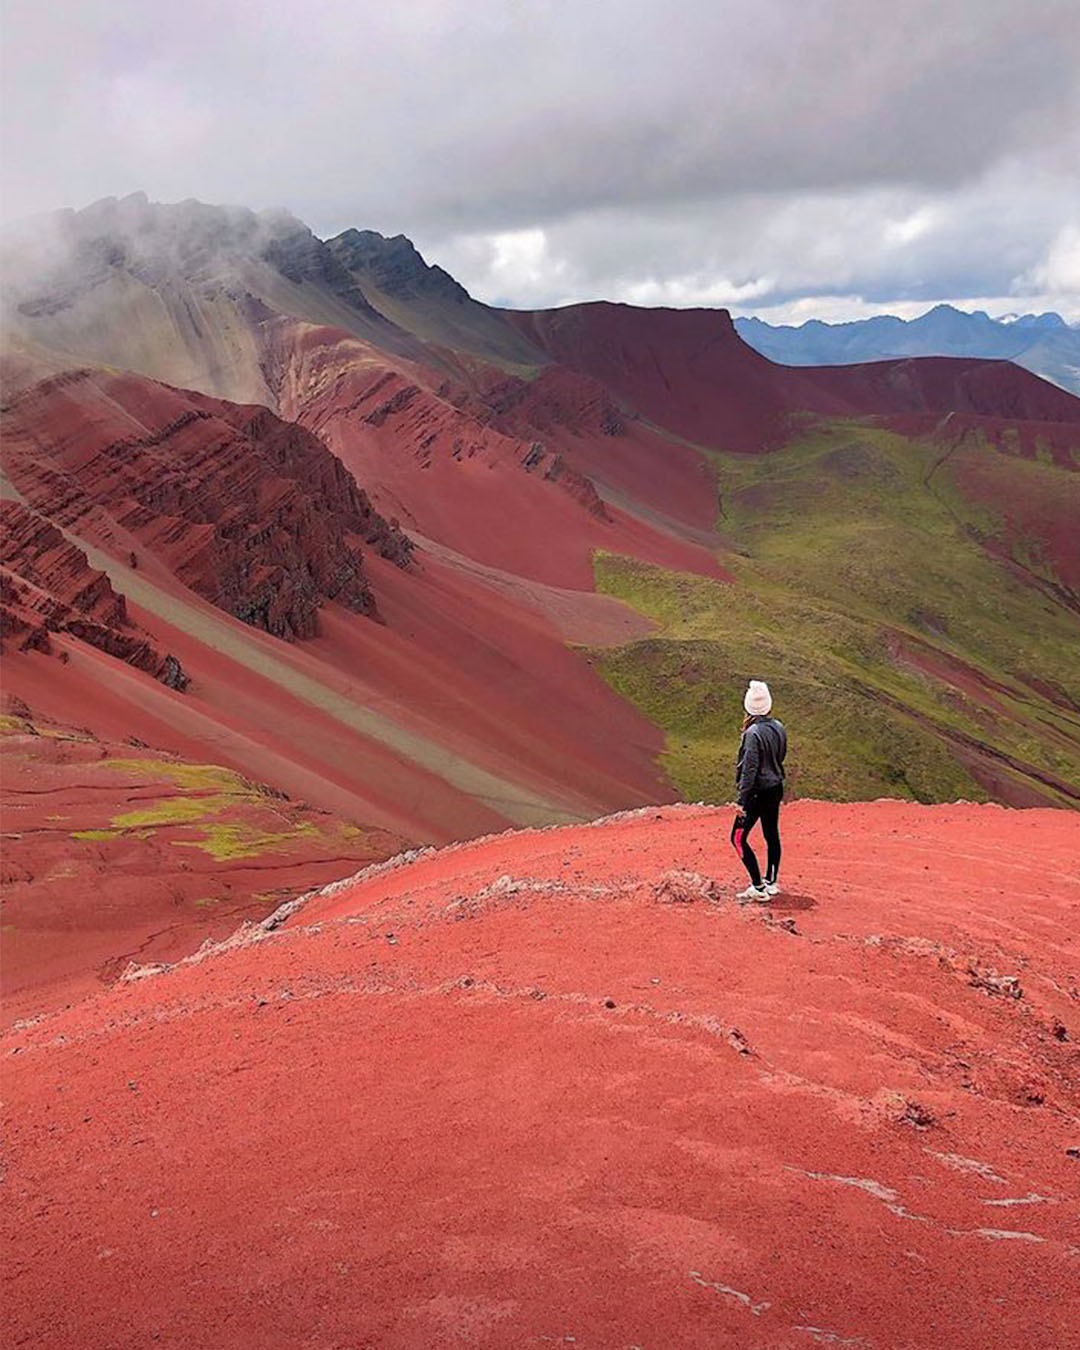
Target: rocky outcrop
253	513
300	257
394	266
48	586
557	400
554	469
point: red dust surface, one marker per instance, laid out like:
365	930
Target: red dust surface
557	1087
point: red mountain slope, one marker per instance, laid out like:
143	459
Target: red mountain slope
485	715
251	512
47	586
557	1087
689	372
483	481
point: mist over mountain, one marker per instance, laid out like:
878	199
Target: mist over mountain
1042	343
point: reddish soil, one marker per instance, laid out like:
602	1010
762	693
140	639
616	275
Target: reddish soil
486	668
83	895
539	1089
1034	511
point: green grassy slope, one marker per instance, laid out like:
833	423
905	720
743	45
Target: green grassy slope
906	658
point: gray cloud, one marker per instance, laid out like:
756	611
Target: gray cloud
712	151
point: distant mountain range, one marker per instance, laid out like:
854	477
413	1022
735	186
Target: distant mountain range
1042	343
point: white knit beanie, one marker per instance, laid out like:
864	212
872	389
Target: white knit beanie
757	700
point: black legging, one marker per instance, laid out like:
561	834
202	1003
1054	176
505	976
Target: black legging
763	806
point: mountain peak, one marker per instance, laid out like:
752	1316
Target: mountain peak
394	265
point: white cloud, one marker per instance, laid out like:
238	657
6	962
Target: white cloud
1059	270
911	227
521	263
155	115
693	289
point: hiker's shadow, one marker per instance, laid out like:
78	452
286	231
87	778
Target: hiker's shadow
791	903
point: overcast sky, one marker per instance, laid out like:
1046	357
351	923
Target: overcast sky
783	157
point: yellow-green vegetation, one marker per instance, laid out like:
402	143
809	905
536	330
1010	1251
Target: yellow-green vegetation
13	725
190	777
238	840
853	565
174	811
204	793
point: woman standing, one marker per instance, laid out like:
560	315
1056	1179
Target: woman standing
759	778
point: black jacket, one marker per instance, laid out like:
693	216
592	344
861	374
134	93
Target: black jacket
760	764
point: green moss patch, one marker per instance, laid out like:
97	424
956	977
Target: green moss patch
227	841
187	777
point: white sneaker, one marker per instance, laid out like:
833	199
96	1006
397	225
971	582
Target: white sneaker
754	893
773	887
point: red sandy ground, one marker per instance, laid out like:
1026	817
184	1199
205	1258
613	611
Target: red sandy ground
533	1091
